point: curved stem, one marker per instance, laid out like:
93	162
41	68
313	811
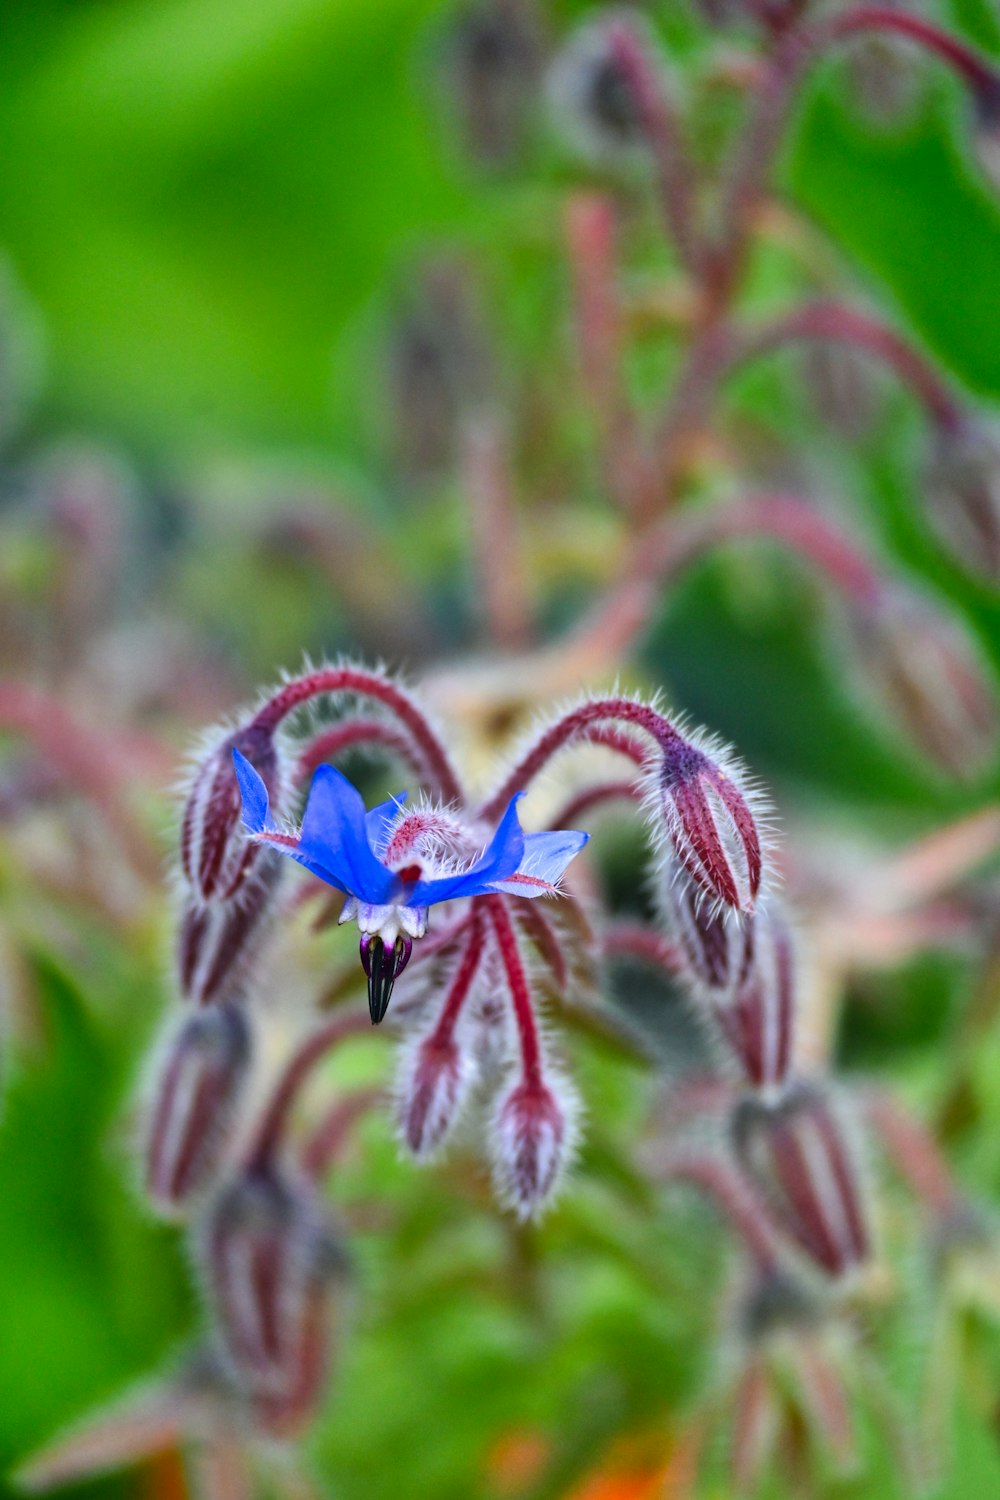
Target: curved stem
539	930
733	1197
326	1142
594	796
824	319
578	727
662	131
356	734
636	940
461	984
913	1149
520	994
332	681
312	1051
971	65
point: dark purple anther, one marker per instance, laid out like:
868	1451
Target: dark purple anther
382	967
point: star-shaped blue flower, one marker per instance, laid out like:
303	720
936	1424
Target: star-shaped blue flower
346	847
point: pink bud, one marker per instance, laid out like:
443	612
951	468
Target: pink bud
706	805
800	1156
715	942
927	671
270	1259
758	1019
199	1085
215	857
216	943
963	492
533	1136
431	1089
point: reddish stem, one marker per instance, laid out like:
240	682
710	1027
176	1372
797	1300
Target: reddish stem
636	940
787	519
594	796
524	1015
354	680
832	320
460	985
579	726
327	1141
355	733
913	1149
297	1069
733	1197
540	931
662	130
965	60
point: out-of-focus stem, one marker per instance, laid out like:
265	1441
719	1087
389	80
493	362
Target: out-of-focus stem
976	70
636	940
366	734
732	1195
834	321
520	995
500	583
315	1047
590	797
912	1149
327	1141
662	131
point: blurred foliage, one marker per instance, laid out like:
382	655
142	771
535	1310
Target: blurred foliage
213	207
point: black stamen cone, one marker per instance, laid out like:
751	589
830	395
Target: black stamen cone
381	969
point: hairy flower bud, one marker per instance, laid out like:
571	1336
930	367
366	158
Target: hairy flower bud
198	1087
800	1157
216	943
715	942
533	1136
929	674
216	858
758	1018
493	57
270	1260
706	807
963	494
591	96
431	1089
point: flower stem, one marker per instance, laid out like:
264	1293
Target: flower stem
310	1052
524	1015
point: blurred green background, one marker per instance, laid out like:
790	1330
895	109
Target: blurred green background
212	209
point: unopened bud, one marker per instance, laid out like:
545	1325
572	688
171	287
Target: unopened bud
963	493
533	1136
270	1259
591	96
216	858
986	132
715	942
929	674
431	1089
706	806
887	79
216	943
198	1088
799	1155
493	57
758	1018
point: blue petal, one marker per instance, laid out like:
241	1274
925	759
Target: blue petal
546	856
380	820
500	859
334	841
253	793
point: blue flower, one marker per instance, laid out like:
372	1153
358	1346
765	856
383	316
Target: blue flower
389	895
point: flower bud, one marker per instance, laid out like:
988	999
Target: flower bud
963	494
199	1085
709	823
533	1136
216	943
986	132
798	1154
493	57
758	1019
591	96
216	858
887	80
716	943
270	1260
928	672
431	1089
